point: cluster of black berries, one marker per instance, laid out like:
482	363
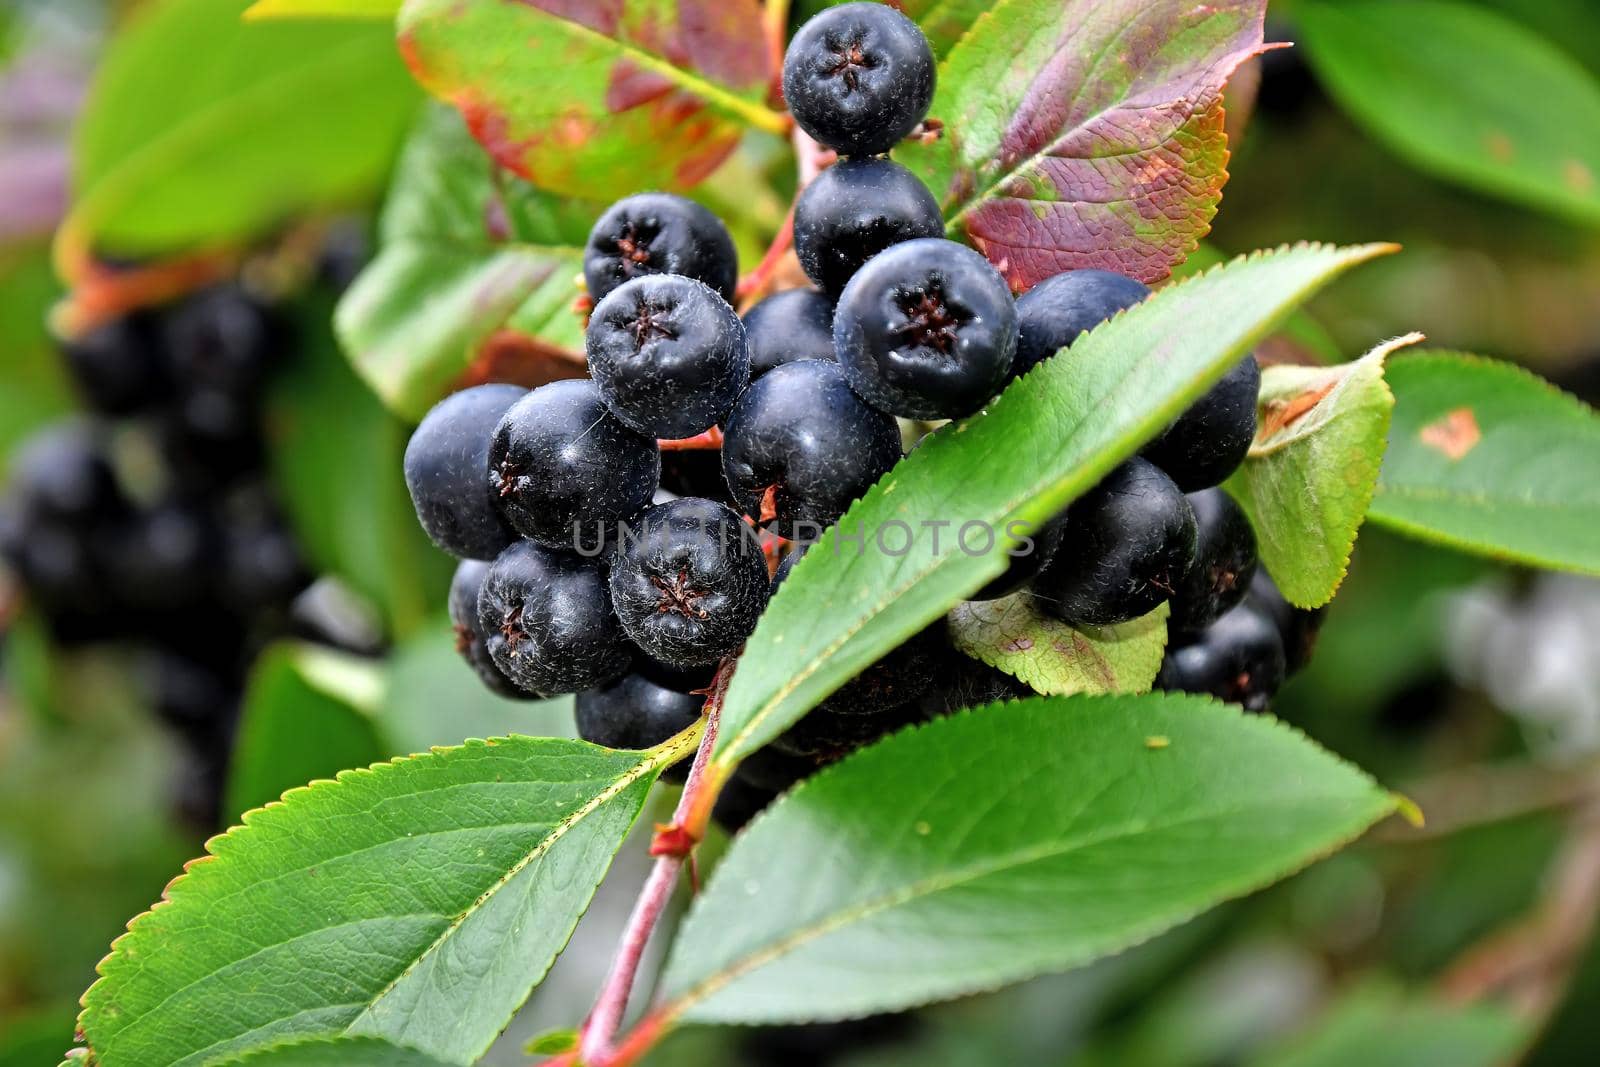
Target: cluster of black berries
603	557
149	521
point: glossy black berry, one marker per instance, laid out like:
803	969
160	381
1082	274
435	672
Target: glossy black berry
1029	558
668	355
220	338
1052	314
261	568
658	233
786	565
116	366
64	472
634	712
800	447
689	581
1126	545
739	802
447	470
465	588
927	330
825	735
853	211
1208	442
565	470
794	324
773	770
962	683
1299	627
160	558
546	618
903	676
1239	659
1224	562
859	78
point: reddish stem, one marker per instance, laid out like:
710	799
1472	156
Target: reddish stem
712	438
672	846
757	281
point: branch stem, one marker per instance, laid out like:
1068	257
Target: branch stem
672	847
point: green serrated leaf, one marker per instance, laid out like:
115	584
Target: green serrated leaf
203	128
1086	133
1051	436
1379	1025
1311	471
418	902
1487	458
323	9
1053	658
992	846
1466	94
464	252
337	1052
308	714
582	99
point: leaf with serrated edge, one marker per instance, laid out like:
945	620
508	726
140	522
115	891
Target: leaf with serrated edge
417	901
336	1052
1490	459
1311	470
253	123
1382	1025
461	256
1466	93
1000	844
1053	658
1086	133
583	98
1050	437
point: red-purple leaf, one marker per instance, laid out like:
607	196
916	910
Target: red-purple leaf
1087	133
597	97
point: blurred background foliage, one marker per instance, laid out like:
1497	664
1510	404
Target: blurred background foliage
1472	687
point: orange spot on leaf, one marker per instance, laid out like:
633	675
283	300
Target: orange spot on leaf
1284	413
1578	176
1500	146
1455	434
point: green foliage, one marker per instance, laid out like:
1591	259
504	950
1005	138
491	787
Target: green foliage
583	99
1380	1026
999	844
353	906
1046	440
466	251
1310	473
1485	457
33	385
202	128
1067	146
308	714
1465	94
336	457
431	697
337	1052
1052	657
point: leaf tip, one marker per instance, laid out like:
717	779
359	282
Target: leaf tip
1409	810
